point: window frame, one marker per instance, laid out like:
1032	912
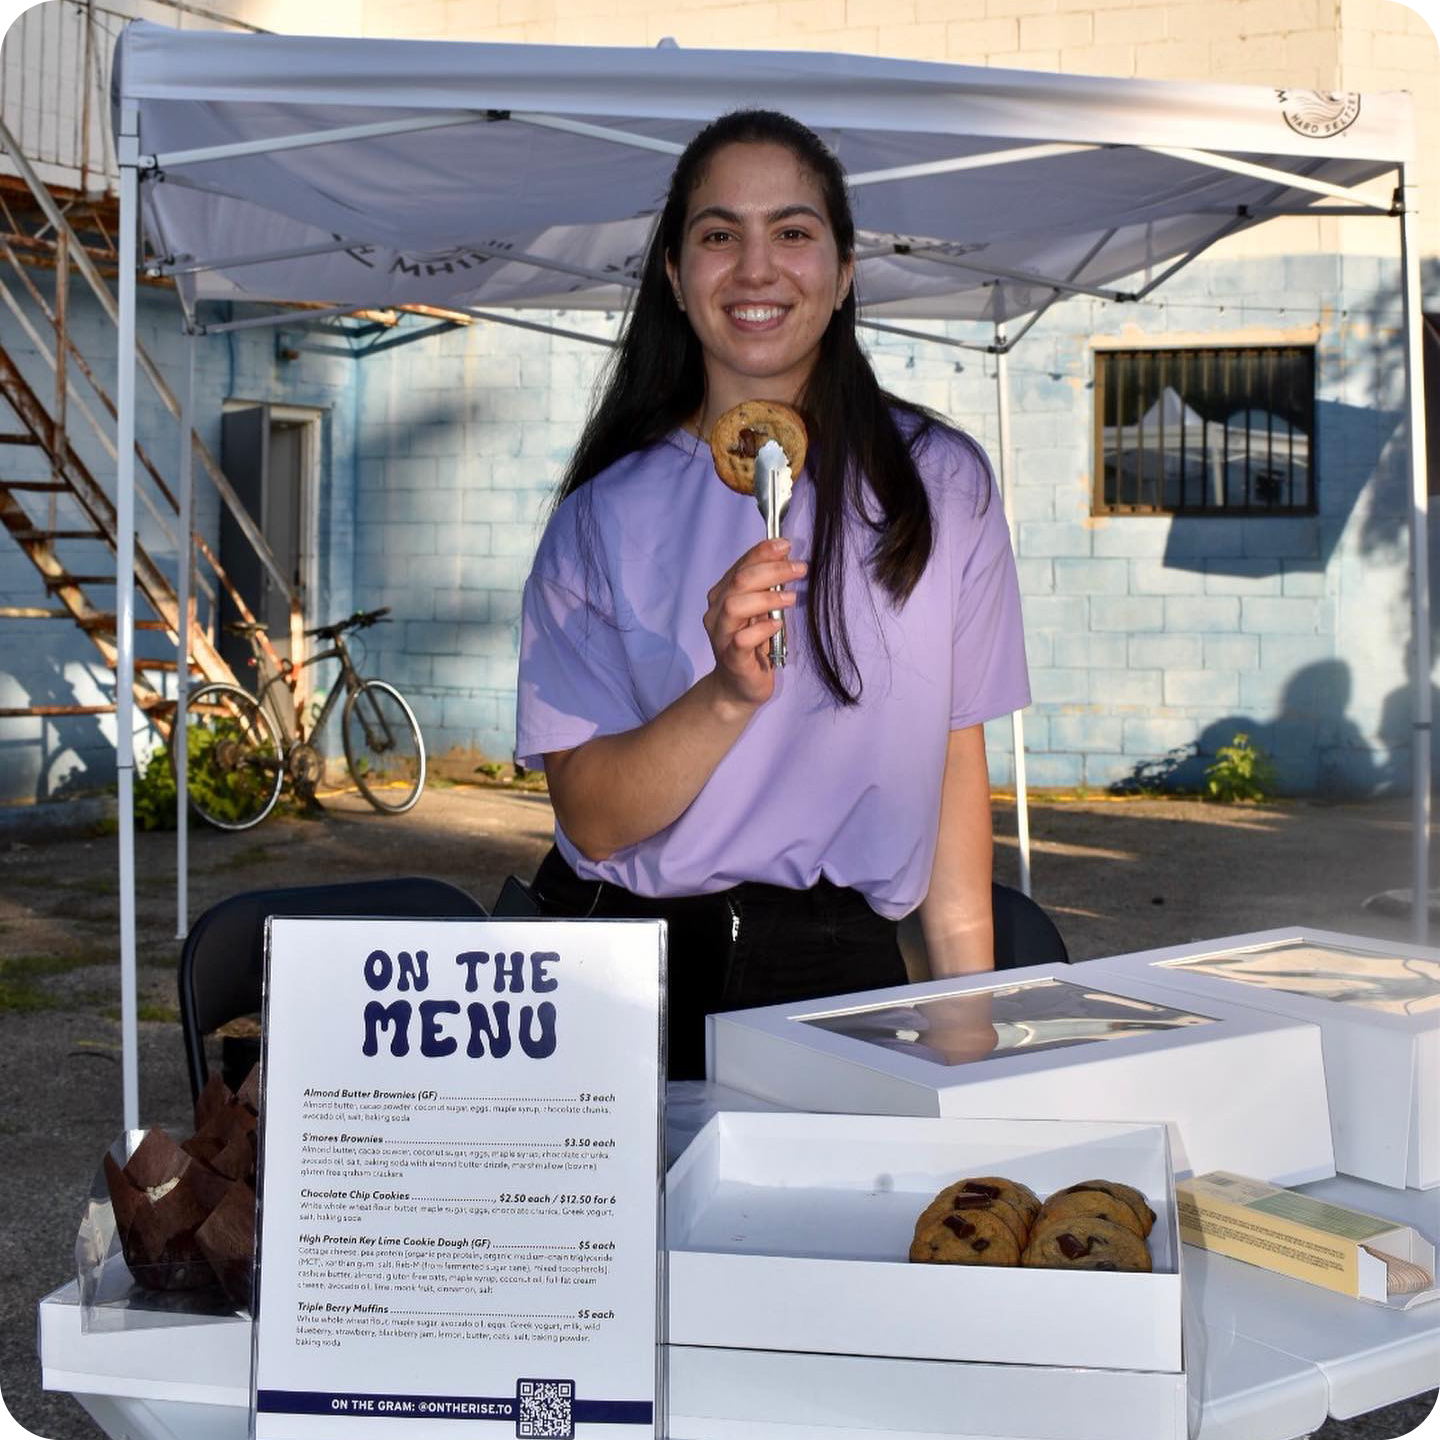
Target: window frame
1103	356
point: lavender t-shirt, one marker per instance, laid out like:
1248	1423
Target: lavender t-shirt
612	633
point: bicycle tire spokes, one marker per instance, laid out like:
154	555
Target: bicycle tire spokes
379	737
383	746
234	763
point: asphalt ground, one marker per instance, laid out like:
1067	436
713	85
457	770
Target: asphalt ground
1115	876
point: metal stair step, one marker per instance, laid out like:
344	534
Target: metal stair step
32	612
52	487
106	621
18	437
58	582
142	663
25	712
57	535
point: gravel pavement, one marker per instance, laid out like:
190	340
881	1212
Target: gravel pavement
1116	876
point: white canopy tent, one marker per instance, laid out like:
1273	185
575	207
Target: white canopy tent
367	173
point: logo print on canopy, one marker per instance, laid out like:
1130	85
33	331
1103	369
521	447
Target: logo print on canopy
1319	114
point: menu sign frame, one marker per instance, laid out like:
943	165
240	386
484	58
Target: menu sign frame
461	1177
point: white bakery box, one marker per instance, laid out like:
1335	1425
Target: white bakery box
789	1235
1241	1090
1377	1006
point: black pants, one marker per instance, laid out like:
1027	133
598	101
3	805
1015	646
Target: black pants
750	945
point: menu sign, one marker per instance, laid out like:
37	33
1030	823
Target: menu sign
460	1171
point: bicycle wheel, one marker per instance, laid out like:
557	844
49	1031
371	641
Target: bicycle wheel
383	747
235	767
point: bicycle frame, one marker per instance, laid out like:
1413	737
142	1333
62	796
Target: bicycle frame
287	718
383	747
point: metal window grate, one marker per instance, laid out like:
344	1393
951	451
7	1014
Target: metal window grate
1214	431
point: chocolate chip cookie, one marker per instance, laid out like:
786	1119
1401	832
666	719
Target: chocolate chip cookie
1099	1203
970	1236
736	438
1018	1196
1085	1242
956	1199
1128	1193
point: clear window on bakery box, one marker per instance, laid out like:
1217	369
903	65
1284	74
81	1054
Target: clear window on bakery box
961	1028
1370	979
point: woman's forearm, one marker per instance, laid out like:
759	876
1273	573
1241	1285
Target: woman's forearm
617	790
955	916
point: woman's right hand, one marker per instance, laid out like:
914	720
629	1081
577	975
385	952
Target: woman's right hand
616	790
737	620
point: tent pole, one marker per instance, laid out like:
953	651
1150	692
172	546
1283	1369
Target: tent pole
931	339
1419	573
127	144
988	160
1017	717
180	744
1286	179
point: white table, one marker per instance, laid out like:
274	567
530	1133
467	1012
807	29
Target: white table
1279	1356
1368	1356
169	1378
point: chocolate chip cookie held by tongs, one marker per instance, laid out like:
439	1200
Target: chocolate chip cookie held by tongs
759	447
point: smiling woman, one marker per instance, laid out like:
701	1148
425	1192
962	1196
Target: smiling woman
781	821
758	282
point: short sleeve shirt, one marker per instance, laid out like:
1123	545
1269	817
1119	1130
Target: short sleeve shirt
612	633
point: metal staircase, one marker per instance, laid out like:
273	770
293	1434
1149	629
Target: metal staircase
81	518
72	544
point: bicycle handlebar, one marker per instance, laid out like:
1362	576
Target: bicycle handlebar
360	620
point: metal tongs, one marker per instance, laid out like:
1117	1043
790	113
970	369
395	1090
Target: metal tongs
773	484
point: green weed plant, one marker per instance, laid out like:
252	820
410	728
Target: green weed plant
1242	771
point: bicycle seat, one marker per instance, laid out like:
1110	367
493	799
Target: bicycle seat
246	627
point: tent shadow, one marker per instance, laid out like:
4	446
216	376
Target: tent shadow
1351	441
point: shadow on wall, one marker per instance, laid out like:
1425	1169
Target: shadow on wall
1315	748
1350	441
71	755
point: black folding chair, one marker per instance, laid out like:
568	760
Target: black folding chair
222	964
1024	933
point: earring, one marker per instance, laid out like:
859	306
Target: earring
679	299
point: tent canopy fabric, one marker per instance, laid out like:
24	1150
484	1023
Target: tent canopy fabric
561	154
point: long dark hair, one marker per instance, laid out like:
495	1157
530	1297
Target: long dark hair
655	382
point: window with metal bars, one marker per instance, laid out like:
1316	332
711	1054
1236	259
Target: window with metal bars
1228	430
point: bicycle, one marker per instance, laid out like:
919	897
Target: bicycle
240	748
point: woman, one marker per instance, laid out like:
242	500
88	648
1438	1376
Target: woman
781	821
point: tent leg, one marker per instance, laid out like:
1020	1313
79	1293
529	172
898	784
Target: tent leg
1419	574
1017	718
128	145
185	559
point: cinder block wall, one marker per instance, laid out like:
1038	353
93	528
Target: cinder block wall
460	442
1153	640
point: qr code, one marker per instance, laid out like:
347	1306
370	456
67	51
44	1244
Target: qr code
546	1410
